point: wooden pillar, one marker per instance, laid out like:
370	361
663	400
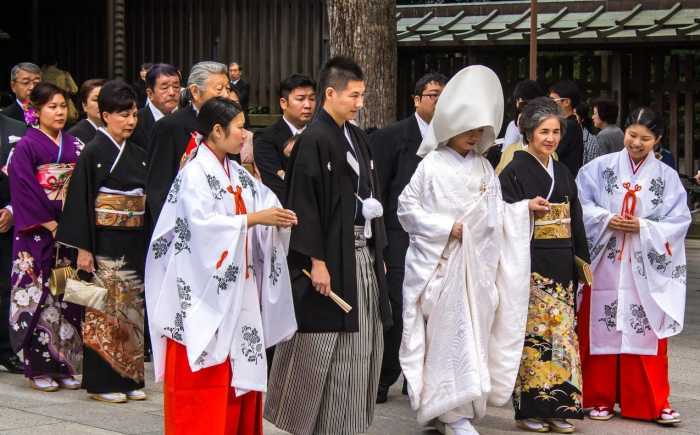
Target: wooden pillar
616	81
533	39
673	110
688	124
116	38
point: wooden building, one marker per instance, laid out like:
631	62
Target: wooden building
637	51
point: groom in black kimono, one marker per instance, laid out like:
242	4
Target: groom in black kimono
394	150
330	170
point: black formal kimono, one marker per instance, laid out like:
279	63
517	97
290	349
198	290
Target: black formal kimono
14	111
104	214
170	137
570	150
321	191
269	156
548	384
84	131
325	379
8	127
394	150
144	128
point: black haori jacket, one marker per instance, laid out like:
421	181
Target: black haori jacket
321	191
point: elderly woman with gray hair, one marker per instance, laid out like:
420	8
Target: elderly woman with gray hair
548	385
173	136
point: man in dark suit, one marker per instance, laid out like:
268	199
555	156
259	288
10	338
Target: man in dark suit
273	145
570	150
10	132
172	135
23	77
242	87
394	149
163	90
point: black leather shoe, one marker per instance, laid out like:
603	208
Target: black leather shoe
382	394
12	363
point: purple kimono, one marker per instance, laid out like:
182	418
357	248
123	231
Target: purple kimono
45	328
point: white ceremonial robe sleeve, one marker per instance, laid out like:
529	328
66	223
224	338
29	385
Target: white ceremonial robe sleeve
429	235
662	245
595	217
271	245
513	285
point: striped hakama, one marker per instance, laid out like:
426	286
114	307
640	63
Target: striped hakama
326	383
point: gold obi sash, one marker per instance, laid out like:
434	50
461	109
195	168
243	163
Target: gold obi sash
54	178
115	210
555	224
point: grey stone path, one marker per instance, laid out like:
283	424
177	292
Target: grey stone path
24	411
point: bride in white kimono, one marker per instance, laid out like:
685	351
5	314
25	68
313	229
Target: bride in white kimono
636	216
217	285
464	304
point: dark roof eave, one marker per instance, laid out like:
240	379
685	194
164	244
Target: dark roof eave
549	42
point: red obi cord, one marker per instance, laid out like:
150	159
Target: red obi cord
629	204
241	209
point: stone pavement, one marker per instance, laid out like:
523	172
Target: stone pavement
24	411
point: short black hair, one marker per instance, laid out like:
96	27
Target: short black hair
567	89
338	71
647	117
157	70
607	110
146	65
43	93
116	96
87	87
217	110
583	112
295	81
528	90
426	80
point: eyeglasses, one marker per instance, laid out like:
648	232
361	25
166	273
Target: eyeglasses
27	82
431	96
559	100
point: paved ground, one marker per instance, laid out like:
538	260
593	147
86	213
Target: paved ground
25	411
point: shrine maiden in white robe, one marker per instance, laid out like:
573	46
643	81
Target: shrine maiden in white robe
214	285
639	280
464	304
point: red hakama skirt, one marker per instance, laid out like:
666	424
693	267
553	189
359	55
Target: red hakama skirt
204	402
638	383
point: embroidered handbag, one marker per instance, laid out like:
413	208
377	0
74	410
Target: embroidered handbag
87	294
59	277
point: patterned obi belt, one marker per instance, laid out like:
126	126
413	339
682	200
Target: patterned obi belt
555	224
54	178
119	210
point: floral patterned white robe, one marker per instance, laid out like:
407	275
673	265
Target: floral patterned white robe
214	285
639	280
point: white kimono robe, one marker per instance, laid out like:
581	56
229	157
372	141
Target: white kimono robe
639	280
214	285
464	316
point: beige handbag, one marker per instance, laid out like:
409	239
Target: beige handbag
59	277
87	294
